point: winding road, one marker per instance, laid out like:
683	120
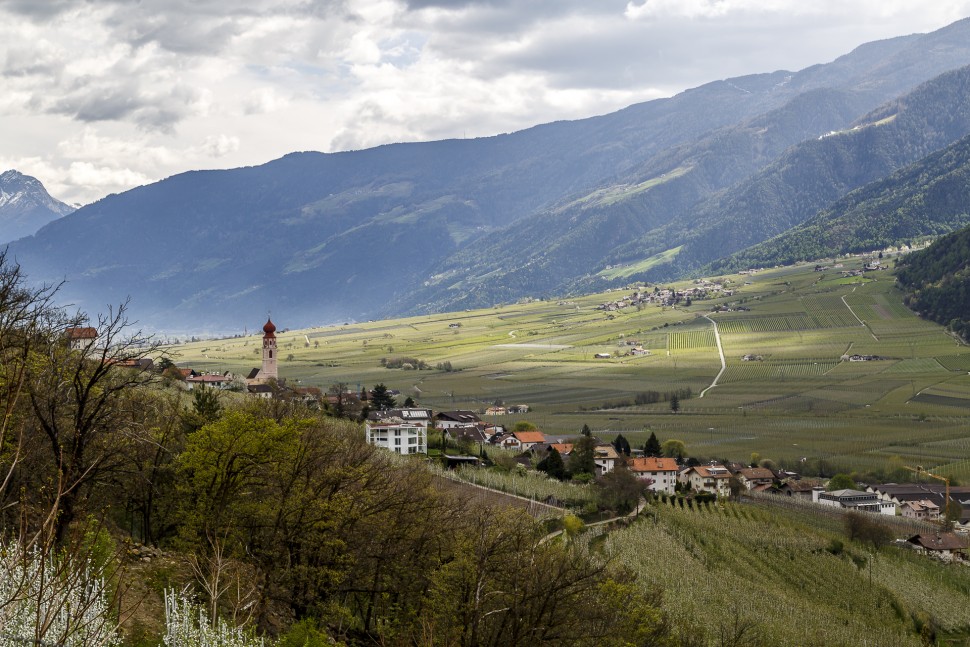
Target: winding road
720	352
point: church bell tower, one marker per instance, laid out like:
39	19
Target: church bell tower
269	352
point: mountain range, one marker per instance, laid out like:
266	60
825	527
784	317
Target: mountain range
25	206
651	192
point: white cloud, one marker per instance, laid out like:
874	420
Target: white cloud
100	94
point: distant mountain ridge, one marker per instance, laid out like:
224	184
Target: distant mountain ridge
410	228
25	206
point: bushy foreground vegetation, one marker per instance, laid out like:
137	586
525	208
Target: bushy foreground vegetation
273	517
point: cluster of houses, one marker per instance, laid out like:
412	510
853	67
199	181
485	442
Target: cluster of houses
701	289
405	431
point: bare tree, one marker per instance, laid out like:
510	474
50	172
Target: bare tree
77	397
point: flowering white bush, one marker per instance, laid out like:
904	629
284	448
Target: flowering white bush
45	601
187	625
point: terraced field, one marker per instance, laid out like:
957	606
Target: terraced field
797	398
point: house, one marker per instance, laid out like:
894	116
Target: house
264	391
751	477
81	338
564	449
138	364
467	433
414	415
523	440
798	489
460	418
900	493
947	546
854	500
398	435
661	473
212	380
924	510
604	457
496	411
518	408
712	478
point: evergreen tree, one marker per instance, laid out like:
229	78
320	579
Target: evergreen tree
381	400
409	402
582	458
621	445
587	431
652	448
206	408
553	465
674	403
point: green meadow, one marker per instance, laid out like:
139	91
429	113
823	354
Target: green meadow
798	401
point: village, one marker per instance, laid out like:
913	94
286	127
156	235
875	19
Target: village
468	438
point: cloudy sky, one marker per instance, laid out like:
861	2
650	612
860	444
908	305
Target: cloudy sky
99	96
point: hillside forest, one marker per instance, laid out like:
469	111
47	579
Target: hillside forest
939	280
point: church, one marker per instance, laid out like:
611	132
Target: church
268	372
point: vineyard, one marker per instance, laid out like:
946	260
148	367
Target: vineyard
575	364
785	578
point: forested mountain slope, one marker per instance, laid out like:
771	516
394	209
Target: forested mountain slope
662	227
938	280
928	198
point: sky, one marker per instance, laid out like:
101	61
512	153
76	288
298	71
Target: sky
100	96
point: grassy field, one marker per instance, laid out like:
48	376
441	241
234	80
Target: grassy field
801	402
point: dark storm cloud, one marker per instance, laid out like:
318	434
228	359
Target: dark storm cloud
93	100
37	9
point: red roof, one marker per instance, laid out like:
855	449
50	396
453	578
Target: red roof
529	436
81	333
207	378
653	464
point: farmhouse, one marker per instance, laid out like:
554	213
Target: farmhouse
214	380
523	440
460	418
947	546
712	478
467	433
922	510
798	489
660	473
80	338
751	477
604	457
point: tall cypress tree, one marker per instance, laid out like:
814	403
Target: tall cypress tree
652	448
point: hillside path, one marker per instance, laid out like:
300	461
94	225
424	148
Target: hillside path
857	317
720	352
641	504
